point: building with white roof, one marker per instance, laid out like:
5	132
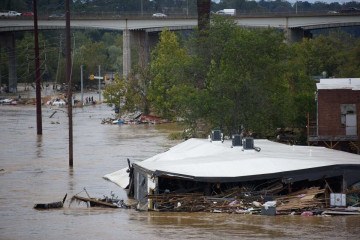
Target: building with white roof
199	164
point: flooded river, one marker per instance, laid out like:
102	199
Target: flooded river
34	169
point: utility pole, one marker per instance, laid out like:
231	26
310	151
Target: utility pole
68	79
37	72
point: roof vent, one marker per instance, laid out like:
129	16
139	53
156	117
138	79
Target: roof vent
237	140
248	143
216	135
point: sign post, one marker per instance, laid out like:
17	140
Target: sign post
100	78
92	77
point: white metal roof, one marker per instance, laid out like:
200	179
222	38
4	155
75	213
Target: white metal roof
205	159
339	83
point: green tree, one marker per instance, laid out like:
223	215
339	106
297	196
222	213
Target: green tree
91	55
26	58
114	48
245	83
320	54
114	93
168	67
351	65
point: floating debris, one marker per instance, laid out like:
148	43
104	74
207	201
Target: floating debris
109	202
52	205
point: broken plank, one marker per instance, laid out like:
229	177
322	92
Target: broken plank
95	202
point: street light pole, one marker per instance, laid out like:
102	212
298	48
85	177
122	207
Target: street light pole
99	85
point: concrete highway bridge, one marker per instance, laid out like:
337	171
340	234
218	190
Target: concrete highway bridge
144	30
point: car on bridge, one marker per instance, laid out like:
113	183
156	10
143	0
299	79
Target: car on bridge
159	15
9	14
57	15
27	14
350	10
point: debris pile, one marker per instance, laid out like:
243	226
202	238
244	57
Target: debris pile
303	200
307	202
197	202
134	118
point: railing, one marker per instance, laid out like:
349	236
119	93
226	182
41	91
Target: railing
181	15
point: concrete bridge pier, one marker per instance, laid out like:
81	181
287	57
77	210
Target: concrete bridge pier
7	42
297	34
126	53
144	42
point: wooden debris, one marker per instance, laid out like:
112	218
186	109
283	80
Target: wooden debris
109	202
59	204
301	200
94	202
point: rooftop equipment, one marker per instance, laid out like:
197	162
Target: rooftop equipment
237	140
248	143
216	135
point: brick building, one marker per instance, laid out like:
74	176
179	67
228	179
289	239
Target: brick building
338	115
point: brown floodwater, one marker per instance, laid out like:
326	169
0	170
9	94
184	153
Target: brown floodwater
34	169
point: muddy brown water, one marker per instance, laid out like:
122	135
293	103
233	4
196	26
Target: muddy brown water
34	169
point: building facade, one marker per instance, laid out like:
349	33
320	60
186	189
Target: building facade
338	114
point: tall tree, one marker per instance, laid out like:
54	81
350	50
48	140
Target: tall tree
244	83
168	66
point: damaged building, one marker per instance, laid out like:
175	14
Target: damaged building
206	171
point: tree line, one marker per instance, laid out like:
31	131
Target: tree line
90	48
235	78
